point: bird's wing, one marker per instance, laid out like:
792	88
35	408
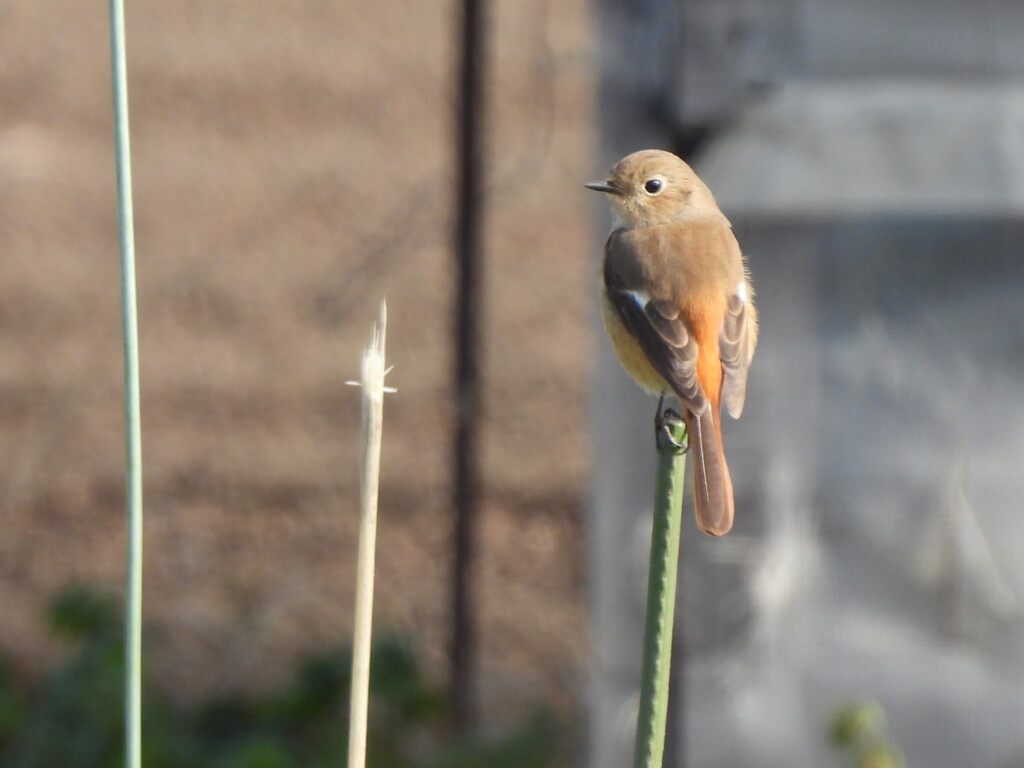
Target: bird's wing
736	343
663	335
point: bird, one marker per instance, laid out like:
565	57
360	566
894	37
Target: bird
678	306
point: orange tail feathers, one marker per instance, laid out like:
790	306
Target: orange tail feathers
712	486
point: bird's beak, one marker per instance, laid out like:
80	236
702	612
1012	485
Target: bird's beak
603	186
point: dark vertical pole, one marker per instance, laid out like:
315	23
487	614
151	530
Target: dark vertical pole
467	357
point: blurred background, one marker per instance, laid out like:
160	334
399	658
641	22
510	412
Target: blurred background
295	163
869	157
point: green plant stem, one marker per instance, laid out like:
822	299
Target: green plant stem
133	437
661	597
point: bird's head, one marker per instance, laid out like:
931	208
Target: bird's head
654	187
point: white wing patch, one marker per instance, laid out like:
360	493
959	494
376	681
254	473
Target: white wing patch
641	298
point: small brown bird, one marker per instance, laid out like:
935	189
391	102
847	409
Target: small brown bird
678	306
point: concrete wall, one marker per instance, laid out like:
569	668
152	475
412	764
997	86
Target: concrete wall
871	160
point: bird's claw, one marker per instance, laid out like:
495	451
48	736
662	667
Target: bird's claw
665	423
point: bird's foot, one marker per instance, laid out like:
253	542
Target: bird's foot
667	424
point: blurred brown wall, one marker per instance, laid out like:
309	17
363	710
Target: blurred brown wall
292	166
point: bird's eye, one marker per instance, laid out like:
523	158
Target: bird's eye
653	186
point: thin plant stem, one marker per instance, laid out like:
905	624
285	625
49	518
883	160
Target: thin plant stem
373	389
133	434
661	597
